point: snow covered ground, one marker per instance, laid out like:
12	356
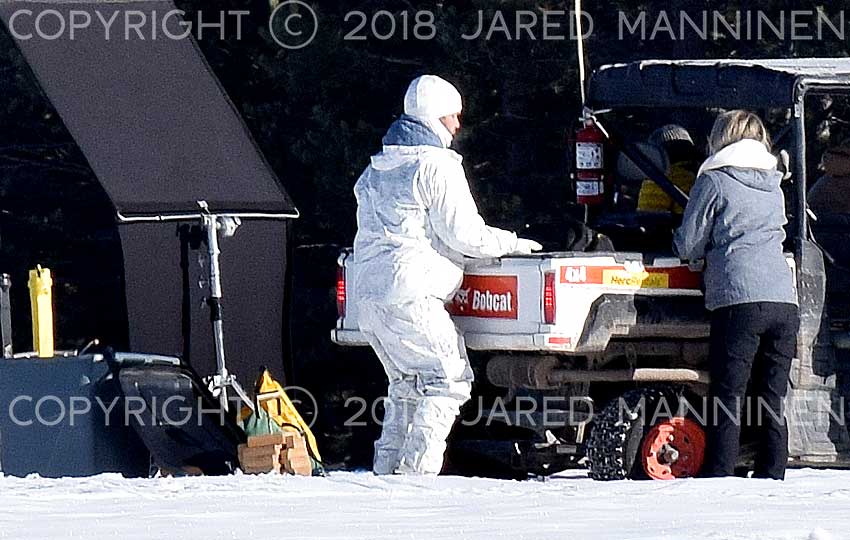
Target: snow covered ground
809	505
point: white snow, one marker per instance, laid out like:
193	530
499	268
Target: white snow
809	505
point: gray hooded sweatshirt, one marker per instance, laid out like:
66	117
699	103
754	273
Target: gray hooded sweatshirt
734	221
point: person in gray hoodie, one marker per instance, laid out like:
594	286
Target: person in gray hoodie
733	224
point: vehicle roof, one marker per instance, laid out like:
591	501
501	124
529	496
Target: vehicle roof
711	83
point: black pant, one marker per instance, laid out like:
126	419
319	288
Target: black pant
756	339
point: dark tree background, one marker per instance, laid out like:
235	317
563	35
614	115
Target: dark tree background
319	112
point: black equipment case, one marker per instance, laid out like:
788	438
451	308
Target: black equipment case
181	423
64	416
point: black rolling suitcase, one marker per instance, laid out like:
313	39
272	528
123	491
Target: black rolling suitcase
179	421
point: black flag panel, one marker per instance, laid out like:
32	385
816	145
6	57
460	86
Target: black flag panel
144	107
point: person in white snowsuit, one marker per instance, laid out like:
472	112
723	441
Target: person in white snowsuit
416	220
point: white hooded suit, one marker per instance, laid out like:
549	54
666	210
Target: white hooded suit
416	220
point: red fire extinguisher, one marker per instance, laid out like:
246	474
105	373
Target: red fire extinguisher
591	181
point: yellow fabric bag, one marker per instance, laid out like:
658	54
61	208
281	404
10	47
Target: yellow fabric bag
272	398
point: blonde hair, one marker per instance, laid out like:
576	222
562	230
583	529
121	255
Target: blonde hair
733	126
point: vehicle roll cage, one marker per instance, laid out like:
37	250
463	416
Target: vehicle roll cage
803	87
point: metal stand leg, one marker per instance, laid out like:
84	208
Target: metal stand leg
223	380
5	317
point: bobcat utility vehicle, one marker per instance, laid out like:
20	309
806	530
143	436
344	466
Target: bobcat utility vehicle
575	349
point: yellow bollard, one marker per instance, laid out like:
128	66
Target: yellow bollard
41	300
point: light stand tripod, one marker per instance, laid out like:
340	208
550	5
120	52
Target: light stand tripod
223	380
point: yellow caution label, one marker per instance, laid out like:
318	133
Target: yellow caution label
641	280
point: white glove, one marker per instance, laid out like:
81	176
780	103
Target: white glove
526	247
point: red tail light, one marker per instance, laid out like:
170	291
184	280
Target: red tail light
340	291
549	297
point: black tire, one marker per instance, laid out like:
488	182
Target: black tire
618	432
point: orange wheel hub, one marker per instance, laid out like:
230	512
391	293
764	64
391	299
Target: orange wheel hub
673	448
